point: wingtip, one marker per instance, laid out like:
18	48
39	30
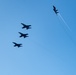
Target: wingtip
18	32
12	42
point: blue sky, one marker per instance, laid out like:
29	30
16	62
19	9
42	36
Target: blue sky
50	48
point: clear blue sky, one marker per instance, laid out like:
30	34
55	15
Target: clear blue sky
50	48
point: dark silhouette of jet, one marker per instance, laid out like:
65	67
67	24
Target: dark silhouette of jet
23	35
26	26
55	10
16	44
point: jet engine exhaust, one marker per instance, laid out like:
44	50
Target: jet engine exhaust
64	21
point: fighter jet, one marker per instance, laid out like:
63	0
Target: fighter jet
55	10
23	35
26	26
16	44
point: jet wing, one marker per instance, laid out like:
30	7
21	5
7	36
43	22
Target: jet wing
14	43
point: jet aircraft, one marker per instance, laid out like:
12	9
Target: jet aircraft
55	10
16	44
26	26
23	35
